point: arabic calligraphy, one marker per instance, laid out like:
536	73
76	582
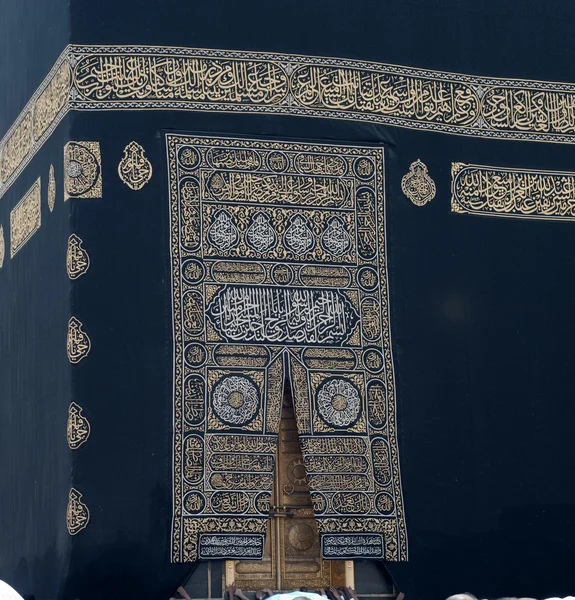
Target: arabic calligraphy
265	274
353	546
338	402
280	315
78	427
82	170
135	170
298	237
223	233
77	259
17	145
78	343
335	237
25	218
231	546
236	399
52	100
417	185
233	158
371	92
260	235
263	188
131	78
77	513
519	193
136	77
244	231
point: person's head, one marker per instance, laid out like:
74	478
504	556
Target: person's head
466	596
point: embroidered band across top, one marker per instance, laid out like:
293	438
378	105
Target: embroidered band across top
279	269
171	78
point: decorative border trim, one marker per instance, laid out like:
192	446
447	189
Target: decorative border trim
150	77
512	193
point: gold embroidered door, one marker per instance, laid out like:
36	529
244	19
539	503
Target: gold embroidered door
292	556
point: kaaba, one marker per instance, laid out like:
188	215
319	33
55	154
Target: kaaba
277	301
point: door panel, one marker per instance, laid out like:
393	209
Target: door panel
292	556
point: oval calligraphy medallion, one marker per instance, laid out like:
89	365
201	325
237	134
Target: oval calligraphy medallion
194	503
193	459
223	233
238	272
194	399
193	312
335	239
367	278
319	503
417	185
282	274
349	502
260	235
233	158
372	360
363	167
135	170
323	275
262	503
384	503
277	161
230	502
188	158
193	271
298	237
195	355
377	403
380	460
370	321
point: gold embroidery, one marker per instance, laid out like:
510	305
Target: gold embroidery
129	78
16	146
77	514
51	189
78	427
417	185
78	344
82	170
261	287
42	113
25	218
135	170
51	101
2	246
77	259
518	193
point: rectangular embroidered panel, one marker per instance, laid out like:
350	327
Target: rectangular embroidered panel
25	218
519	193
279	270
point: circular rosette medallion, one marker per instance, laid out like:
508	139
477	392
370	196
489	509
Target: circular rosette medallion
338	402
236	399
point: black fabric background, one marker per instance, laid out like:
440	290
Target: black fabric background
35	390
481	308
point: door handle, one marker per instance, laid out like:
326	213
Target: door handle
280	513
